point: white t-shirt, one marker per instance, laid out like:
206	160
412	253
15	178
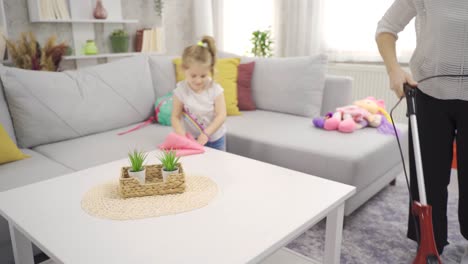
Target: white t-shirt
200	106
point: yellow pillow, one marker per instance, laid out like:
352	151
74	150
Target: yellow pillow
226	75
8	150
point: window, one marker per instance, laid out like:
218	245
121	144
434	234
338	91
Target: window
349	30
241	18
348	27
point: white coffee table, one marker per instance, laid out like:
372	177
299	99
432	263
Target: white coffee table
259	209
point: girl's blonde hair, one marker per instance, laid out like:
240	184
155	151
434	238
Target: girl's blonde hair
203	52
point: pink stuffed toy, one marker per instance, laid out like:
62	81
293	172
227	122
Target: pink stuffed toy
362	113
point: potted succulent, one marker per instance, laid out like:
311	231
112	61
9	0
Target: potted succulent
137	169
119	41
169	162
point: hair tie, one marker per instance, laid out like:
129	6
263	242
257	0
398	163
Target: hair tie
202	44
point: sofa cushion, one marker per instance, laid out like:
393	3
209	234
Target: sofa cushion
162	74
244	86
226	73
9	152
34	169
293	142
5	118
290	85
78	103
92	150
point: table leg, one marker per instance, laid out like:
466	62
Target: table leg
22	246
333	235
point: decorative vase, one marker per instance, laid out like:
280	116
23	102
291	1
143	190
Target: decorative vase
90	48
99	11
119	43
166	174
139	175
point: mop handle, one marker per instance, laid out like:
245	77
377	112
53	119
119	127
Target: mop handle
410	93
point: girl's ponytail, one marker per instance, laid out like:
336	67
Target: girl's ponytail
211	46
203	52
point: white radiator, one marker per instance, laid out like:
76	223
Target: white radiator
371	80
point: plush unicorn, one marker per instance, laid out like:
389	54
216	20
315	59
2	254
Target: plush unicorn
368	112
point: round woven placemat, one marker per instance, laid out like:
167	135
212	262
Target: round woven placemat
104	200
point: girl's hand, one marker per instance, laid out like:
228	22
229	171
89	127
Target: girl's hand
397	78
202	139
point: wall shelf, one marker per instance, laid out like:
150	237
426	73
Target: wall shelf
90	21
108	55
83	26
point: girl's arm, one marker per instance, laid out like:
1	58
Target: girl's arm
176	115
220	115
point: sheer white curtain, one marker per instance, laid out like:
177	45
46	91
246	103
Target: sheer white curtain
202	19
298	27
349	30
344	29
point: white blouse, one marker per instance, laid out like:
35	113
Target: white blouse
442	43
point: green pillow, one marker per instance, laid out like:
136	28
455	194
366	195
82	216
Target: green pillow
163	109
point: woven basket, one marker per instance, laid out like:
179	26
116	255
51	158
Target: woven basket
131	187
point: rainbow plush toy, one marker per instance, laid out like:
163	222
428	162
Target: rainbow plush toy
368	112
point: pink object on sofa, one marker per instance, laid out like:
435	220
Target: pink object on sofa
183	145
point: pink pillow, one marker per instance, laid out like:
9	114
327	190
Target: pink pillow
244	86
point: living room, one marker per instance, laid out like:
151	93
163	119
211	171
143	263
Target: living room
85	86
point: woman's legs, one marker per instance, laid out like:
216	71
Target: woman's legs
462	164
436	128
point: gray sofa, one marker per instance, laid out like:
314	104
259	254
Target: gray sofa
69	121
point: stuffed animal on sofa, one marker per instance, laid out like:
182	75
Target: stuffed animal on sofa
368	112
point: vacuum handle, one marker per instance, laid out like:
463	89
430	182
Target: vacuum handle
410	93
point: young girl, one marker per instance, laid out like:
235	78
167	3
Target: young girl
198	104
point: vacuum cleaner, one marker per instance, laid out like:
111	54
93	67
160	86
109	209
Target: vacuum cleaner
427	250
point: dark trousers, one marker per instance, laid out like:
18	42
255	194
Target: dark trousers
439	123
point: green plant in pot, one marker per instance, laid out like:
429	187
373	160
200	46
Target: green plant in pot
119	41
169	162
137	168
262	43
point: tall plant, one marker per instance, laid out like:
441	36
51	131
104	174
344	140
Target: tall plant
27	53
262	43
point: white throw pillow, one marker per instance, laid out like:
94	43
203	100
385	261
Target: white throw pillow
48	107
163	74
291	85
5	118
